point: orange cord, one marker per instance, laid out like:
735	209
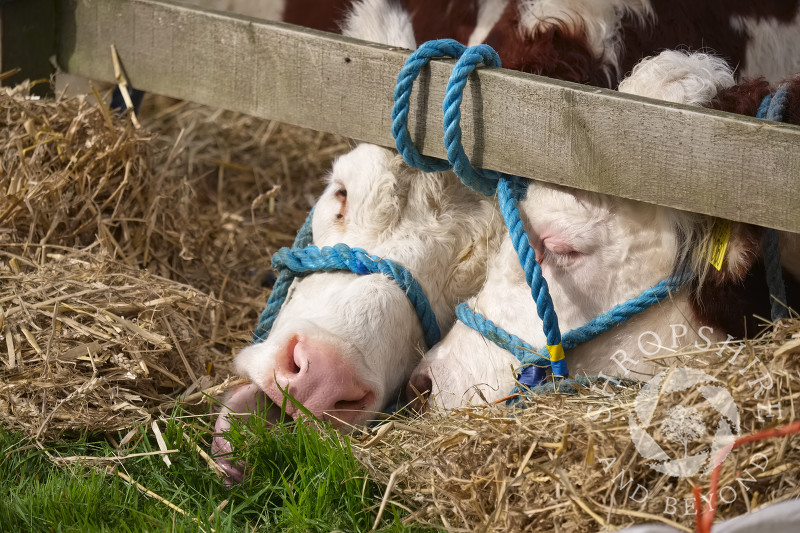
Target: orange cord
705	518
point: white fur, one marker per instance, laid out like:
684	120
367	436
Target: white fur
769	39
428	222
600	21
676	76
621	247
489	12
380	21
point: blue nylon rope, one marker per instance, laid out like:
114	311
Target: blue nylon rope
304	258
773	107
281	287
509	188
402	96
534	375
480	180
507	196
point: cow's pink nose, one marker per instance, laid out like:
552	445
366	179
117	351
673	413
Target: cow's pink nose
319	378
419	388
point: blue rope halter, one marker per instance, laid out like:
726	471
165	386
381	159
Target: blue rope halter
773	107
509	189
534	372
304	258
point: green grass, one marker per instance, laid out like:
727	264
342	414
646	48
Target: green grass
301	479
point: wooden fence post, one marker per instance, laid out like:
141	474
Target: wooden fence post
28	41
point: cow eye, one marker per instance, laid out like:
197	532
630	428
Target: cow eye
341	196
559	255
559	260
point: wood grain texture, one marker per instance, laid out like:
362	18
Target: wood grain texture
594	139
27	41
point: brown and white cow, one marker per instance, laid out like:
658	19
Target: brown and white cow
590	41
597	251
362	330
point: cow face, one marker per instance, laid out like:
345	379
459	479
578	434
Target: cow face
596	252
345	344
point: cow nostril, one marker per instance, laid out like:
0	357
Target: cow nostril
269	279
294	359
418	389
360	404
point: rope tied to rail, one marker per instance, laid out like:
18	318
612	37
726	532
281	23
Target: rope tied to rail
773	107
304	258
509	189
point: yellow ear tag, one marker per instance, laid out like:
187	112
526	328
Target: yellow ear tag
719	243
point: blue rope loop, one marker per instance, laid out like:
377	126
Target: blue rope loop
303	259
402	101
773	107
509	189
479	180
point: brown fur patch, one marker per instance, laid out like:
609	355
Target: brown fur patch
440	19
431	19
556	50
324	16
793	103
743	98
699	25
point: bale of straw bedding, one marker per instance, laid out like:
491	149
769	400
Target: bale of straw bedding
567	462
131	259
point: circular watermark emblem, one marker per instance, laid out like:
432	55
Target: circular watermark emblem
683	424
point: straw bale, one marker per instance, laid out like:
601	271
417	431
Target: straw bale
132	261
564	463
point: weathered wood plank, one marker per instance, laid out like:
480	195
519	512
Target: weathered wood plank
27	41
715	163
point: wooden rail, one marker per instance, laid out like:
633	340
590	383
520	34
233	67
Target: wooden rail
708	162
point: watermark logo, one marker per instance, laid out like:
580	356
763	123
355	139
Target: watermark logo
683	425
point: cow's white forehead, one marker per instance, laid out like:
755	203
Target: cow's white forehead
361	166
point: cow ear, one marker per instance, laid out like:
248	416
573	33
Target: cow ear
731	250
388	195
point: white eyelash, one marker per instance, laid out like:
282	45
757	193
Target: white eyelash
558	260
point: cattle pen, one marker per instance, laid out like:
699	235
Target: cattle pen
568	134
583	137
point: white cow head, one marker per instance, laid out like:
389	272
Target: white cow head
344	343
595	251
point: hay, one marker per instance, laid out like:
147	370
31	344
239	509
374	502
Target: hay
132	260
551	468
131	264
